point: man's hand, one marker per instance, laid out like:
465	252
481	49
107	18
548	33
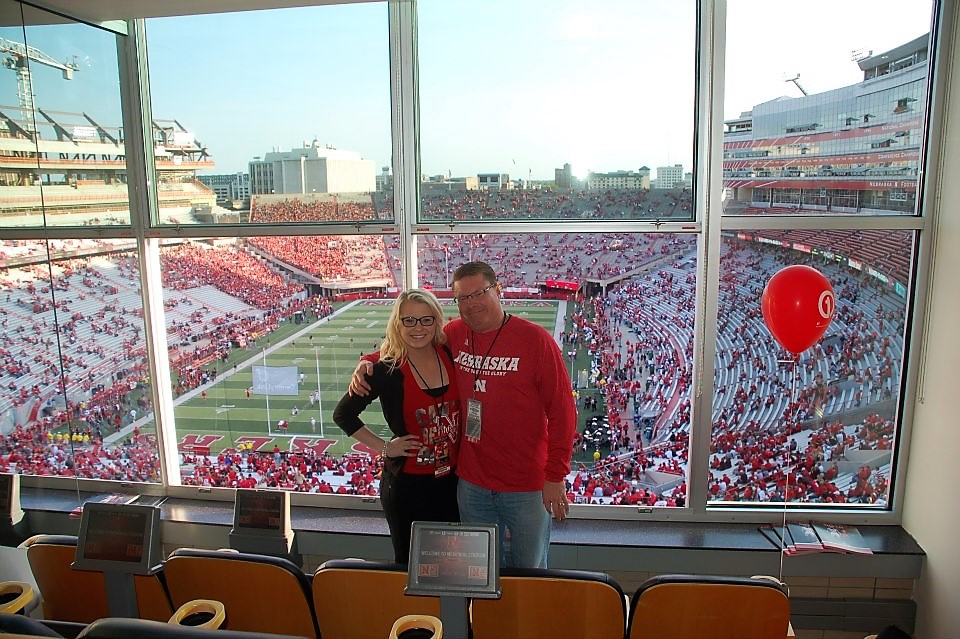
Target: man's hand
555	499
358	381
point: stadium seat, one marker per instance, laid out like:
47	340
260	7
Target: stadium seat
362	599
687	606
81	595
548	603
122	628
22	625
260	593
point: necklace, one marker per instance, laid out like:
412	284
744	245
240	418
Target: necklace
416	370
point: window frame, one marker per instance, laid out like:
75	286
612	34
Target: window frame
708	225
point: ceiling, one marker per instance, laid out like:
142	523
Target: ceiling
97	11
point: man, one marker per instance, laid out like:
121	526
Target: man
521	418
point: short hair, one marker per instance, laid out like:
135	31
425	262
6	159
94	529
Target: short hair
393	351
475	268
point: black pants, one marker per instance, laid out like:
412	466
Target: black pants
407	498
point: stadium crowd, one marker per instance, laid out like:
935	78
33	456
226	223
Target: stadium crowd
768	443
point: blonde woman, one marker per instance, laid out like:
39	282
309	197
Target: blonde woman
421	403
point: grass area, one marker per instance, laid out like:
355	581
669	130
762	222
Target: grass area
325	352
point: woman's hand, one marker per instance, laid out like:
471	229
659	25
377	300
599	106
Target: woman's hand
406	446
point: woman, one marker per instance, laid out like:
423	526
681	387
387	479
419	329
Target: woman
414	378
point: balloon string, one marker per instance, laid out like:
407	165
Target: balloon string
786	490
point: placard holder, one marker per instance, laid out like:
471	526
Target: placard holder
456	563
119	540
13	525
261	524
454	616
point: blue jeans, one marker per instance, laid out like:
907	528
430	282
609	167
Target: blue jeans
522	513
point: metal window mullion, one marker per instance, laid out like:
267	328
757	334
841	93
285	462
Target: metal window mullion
405	142
141	187
711	25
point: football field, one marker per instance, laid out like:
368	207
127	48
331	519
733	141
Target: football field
325	354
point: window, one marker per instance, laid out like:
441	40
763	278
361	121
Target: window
64	160
314	139
823	427
558	98
290	207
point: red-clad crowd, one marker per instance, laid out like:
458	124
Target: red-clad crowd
767	442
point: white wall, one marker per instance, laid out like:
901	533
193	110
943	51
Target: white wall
932	499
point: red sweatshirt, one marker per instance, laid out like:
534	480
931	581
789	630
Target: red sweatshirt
528	411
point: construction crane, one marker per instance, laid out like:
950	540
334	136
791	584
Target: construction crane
17	56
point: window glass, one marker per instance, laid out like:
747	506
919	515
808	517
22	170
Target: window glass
307	142
821	429
621	308
62	156
263	334
834	129
528	113
75	400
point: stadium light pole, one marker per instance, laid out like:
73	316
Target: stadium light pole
446	265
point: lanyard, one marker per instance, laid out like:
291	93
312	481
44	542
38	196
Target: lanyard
473	341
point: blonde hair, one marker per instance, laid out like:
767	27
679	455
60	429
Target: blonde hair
393	350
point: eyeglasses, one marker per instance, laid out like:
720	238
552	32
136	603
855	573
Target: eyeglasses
410	321
460	299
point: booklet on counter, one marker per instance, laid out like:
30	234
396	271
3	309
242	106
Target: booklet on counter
842	538
804	537
108	498
800	538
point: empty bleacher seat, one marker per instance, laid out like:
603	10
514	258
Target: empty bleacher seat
684	606
549	603
362	599
260	593
81	595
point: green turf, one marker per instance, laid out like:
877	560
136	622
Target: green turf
331	346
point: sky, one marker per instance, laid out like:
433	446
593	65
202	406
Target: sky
505	86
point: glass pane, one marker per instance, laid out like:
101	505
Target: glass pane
824	430
62	157
831	129
289	304
75	399
558	112
309	143
621	307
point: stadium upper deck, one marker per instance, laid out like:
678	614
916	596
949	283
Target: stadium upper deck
847	150
70	163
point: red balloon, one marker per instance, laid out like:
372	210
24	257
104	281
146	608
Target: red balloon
798	306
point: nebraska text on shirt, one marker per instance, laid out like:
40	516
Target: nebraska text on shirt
488	364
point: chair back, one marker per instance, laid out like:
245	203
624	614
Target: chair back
124	628
362	599
549	603
81	595
686	606
260	593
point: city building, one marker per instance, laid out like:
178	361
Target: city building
494	181
619	180
229	187
669	177
312	169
